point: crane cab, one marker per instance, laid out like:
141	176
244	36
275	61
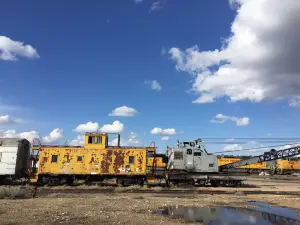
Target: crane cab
191	156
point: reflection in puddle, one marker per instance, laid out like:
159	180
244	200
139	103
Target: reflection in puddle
263	214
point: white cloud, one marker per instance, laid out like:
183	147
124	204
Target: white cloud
242	121
115	127
88	127
155	6
10	49
165	138
165	132
131	141
78	141
55	135
258	61
29	135
295	101
233	147
9	120
138	1
154	85
123	111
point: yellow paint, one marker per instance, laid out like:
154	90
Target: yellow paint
224	161
94	158
288	164
159	162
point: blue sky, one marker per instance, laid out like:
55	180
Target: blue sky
90	58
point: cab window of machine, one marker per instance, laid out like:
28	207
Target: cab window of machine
189	151
95	140
79	158
197	153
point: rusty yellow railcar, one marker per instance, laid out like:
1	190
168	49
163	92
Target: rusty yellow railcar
95	161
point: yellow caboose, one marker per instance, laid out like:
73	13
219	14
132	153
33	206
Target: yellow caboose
95	161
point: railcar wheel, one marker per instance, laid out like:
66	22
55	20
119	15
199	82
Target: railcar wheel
214	183
201	182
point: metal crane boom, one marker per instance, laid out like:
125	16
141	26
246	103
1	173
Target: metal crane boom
267	156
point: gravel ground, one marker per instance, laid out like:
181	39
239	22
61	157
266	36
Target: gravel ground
126	206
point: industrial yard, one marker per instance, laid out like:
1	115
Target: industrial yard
136	205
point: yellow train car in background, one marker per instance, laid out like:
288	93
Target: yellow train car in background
257	167
95	161
288	166
281	166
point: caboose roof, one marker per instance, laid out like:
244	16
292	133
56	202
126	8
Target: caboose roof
96	134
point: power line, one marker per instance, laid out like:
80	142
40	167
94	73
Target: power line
249	149
252	138
245	142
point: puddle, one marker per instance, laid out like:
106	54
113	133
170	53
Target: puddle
262	214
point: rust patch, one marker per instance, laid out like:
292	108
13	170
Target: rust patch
119	160
106	161
92	160
140	161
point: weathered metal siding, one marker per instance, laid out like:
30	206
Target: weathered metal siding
108	161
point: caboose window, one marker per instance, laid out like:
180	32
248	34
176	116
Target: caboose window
54	158
95	140
131	159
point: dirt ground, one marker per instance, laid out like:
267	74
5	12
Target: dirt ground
133	205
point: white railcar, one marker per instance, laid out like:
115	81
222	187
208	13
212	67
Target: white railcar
14	159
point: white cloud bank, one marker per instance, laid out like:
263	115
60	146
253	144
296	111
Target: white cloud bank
115	127
233	147
123	111
242	121
78	141
161	131
54	136
258	61
11	50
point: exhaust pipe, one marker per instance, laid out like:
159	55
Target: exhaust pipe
119	140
